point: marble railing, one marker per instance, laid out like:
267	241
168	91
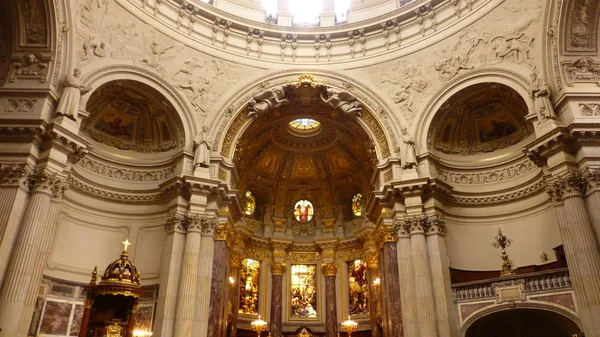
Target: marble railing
532	283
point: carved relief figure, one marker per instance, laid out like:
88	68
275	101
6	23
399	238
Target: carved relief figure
93	47
155	58
342	100
197	93
71	94
202	152
266	101
406	85
540	92
408	151
580	24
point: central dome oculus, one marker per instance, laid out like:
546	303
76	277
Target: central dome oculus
304	127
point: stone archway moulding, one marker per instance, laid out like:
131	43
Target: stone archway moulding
231	119
128	72
503	76
516	305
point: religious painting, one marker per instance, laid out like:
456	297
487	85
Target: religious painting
358	288
303	302
249	286
339	163
495	127
357	204
115	122
143	318
250	203
303	211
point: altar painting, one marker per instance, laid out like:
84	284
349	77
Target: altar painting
303	301
358	288
249	282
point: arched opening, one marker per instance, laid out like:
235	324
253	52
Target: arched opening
523	323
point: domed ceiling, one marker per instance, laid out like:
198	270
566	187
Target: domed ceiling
481	118
305	150
132	116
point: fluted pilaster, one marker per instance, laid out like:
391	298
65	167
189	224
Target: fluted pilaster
581	246
170	271
25	269
186	305
422	276
407	281
205	271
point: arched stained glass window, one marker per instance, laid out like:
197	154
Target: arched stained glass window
303	210
250	203
357	204
249	286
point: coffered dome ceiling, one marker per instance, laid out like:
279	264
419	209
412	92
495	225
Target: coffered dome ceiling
481	118
327	162
129	115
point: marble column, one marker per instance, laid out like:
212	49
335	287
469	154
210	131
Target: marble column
410	320
277	270
372	259
205	272
19	290
14	195
390	260
218	288
330	271
440	274
423	286
235	262
581	247
170	271
186	299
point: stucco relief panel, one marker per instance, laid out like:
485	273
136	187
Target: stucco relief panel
108	34
498	39
582	22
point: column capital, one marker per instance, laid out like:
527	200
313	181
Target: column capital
43	180
593	179
236	258
566	185
14	174
176	222
372	260
201	223
421	224
277	269
330	269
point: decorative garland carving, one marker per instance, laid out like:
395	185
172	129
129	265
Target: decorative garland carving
584	70
351	254
298	257
489	176
20	105
589	109
31	66
126	174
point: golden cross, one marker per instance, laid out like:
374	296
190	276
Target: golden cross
126	243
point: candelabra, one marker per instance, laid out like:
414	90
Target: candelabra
502	241
259	326
349	326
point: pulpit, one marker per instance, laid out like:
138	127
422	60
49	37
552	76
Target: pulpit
110	306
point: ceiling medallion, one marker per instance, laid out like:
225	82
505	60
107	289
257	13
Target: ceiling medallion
304	127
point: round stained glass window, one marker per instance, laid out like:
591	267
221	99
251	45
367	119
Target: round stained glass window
304	126
303	210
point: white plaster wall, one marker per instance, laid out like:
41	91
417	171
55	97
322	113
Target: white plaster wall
470	248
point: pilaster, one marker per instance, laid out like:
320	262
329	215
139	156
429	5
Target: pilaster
330	270
406	280
277	271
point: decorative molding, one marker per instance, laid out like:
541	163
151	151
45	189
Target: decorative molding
300	257
277	269
20	105
487	177
330	269
126	174
350	254
30	66
509	291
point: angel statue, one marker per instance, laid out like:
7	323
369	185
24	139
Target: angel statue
266	101
342	100
202	152
68	105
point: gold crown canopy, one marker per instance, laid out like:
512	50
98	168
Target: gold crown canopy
121	277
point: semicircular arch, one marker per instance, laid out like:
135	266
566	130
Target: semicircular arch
230	120
128	72
502	76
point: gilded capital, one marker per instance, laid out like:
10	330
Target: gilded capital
277	269
236	258
330	269
372	260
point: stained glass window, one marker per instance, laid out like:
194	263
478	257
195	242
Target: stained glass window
303	302
358	288
250	203
249	277
306	12
303	210
357	204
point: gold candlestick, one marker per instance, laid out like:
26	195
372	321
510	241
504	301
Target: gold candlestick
349	326
259	325
502	241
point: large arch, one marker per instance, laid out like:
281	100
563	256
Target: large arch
98	77
384	127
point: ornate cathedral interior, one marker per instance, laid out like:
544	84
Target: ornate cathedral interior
287	168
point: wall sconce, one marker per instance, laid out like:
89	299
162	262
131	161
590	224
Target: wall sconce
377	283
259	325
349	326
231	281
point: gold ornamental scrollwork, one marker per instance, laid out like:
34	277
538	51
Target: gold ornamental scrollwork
372	260
113	330
298	257
236	258
277	269
330	269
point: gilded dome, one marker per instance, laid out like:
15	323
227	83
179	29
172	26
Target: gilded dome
121	277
